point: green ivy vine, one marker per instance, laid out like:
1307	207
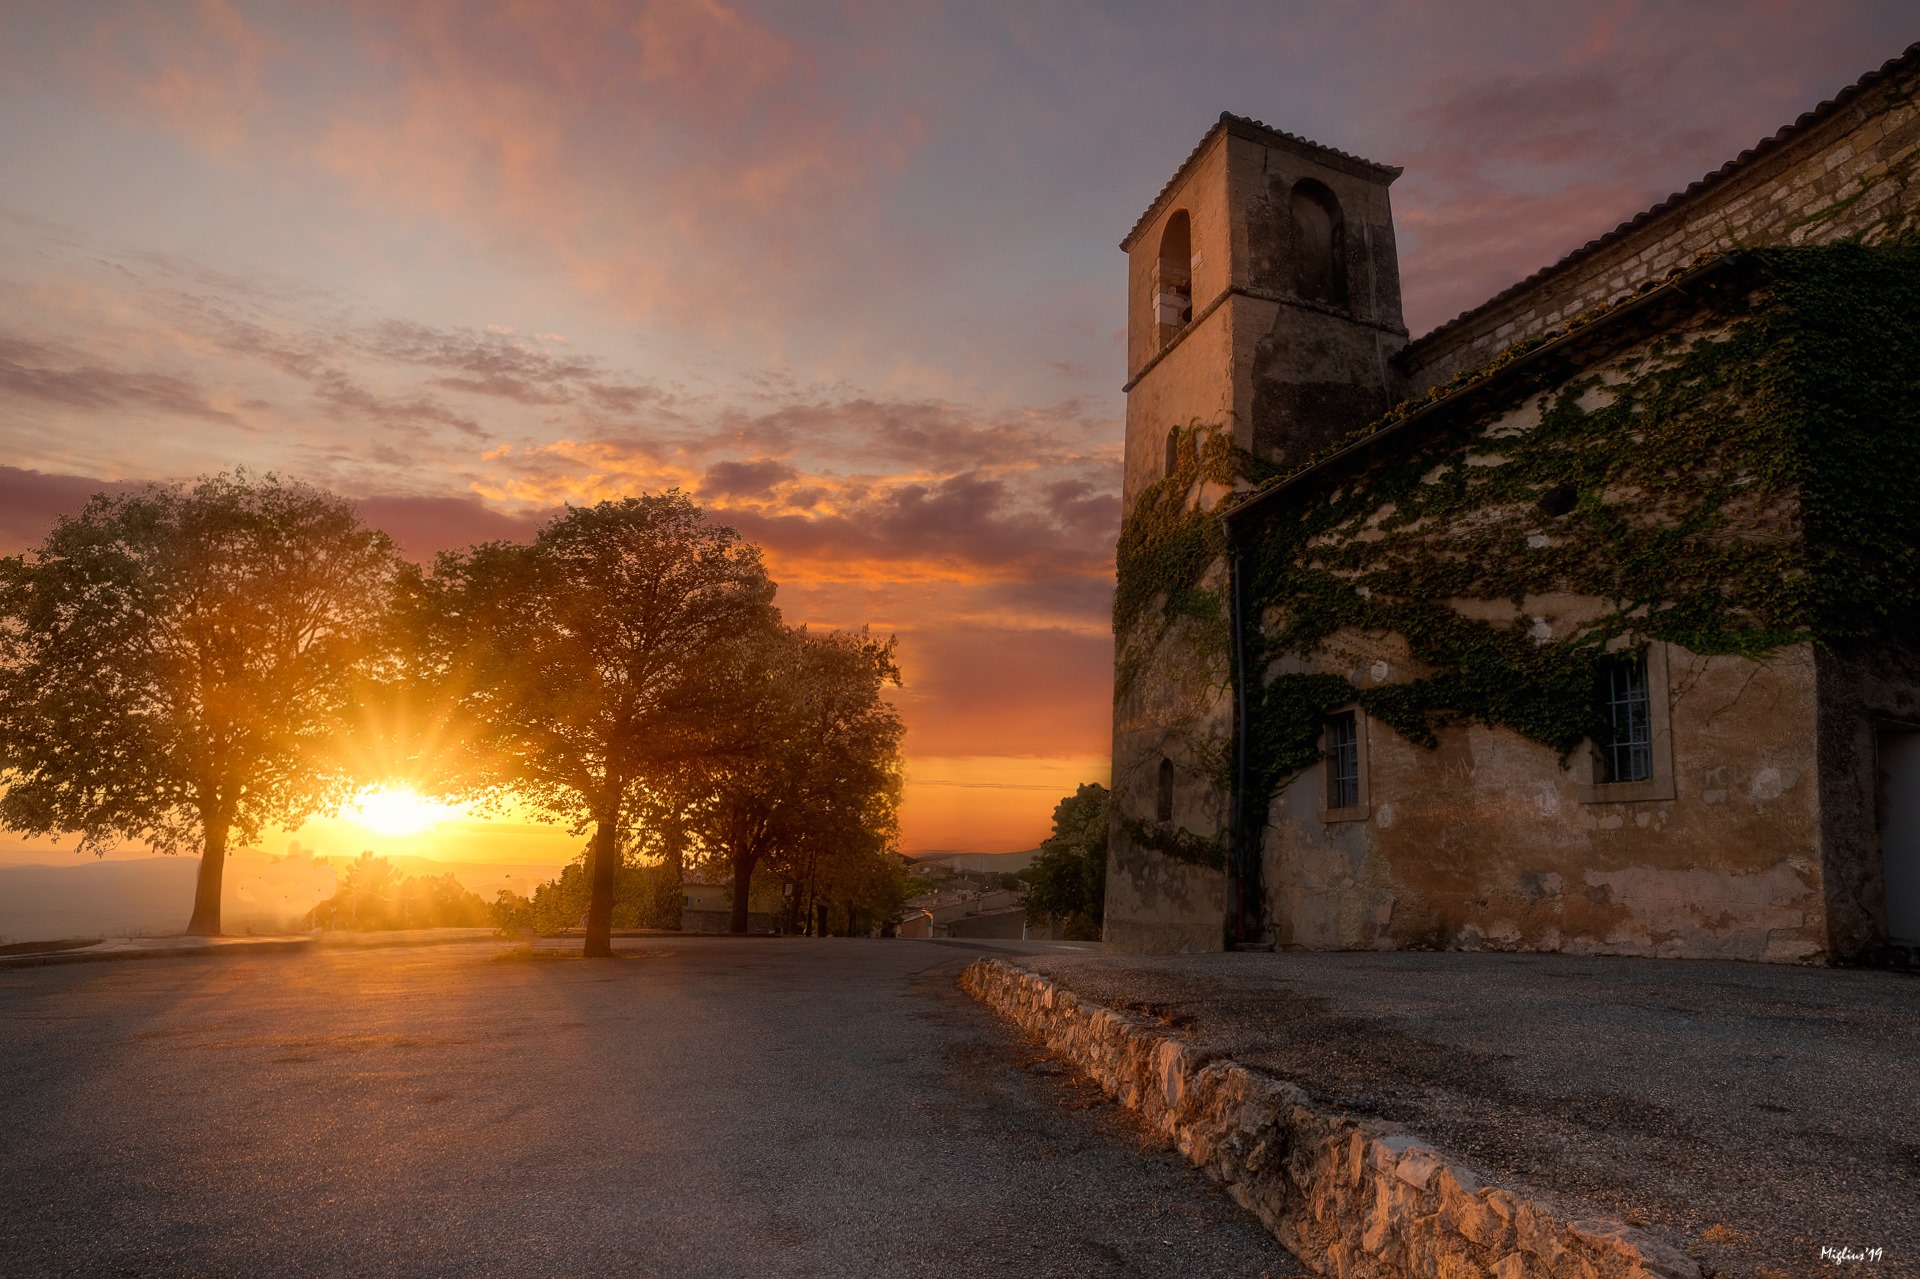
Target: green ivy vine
1175	843
1169	541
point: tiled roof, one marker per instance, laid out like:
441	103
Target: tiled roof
1259	130
1765	146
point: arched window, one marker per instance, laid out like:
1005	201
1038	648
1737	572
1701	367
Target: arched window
1319	245
1173	278
1163	802
1173	450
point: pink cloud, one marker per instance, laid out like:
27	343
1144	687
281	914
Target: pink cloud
672	156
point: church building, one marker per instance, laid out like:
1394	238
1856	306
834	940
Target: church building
1587	622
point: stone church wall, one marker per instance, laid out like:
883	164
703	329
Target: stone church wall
1485	839
1489	842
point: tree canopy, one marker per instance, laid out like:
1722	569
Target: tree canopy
1069	877
595	661
809	772
178	665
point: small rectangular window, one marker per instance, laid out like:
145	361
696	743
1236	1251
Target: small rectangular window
1343	761
1626	710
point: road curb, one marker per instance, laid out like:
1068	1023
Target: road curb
1357	1199
48	958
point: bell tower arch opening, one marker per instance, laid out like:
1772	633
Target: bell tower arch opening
1319	245
1173	278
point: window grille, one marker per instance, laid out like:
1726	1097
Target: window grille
1626	708
1343	761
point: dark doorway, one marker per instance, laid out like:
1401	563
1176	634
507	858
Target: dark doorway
1900	833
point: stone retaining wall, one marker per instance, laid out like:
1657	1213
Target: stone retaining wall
1355	1199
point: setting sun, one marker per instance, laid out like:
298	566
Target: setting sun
397	810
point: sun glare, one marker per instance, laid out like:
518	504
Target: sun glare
396	810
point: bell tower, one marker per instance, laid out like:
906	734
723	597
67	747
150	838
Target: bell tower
1263	296
1263	291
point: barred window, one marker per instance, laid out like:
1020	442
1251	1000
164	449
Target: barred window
1343	761
1626	709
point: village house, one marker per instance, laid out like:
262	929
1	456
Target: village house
1583	623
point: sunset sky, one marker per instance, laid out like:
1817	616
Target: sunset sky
847	273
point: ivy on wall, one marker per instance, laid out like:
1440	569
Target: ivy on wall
1175	843
1747	483
1171	539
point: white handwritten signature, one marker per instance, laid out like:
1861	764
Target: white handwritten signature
1841	1255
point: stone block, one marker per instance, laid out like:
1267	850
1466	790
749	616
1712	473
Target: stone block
1536	1233
1457	1265
1468	1213
1379	1222
1511	1266
1416	1168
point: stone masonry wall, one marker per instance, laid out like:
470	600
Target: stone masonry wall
1850	173
1354	1199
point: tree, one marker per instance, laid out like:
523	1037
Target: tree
1069	877
812	773
177	666
643	897
374	895
593	661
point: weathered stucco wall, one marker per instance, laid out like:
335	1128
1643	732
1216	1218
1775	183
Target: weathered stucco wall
1848	174
1201	192
1488	842
1305	379
1194	382
1178	707
1309	372
1262	167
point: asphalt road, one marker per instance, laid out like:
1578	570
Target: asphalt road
696	1107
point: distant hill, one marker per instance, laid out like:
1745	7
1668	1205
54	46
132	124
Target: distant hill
152	896
97	898
994	863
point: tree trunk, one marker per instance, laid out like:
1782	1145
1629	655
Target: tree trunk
742	883
603	873
206	887
675	836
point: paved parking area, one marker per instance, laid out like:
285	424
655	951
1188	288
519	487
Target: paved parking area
696	1107
1751	1113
